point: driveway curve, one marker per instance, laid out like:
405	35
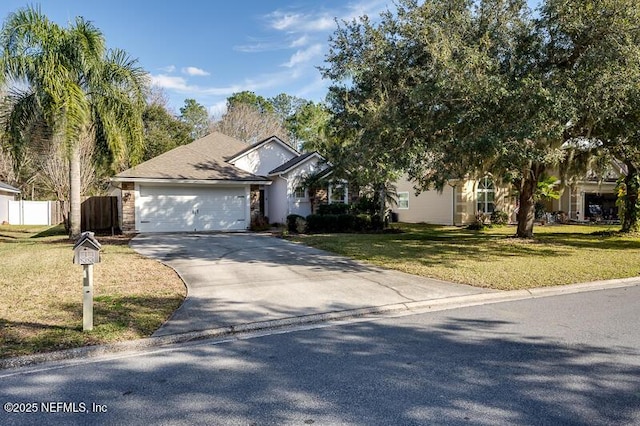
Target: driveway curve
240	278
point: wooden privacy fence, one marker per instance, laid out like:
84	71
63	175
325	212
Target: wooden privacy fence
100	214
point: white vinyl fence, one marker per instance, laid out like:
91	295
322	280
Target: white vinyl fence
30	212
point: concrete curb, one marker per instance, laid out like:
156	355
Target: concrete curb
433	305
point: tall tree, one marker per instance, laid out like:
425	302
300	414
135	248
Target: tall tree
74	86
250	118
594	46
260	103
285	106
308	126
449	89
162	131
196	116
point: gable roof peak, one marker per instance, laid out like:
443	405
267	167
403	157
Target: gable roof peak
261	143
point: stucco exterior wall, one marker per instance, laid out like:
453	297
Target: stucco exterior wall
428	206
276	193
4	206
456	205
264	159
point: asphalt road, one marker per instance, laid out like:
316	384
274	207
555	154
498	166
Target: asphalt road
572	359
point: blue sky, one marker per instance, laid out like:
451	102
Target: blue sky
207	50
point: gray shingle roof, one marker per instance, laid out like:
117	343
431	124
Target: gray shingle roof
8	188
203	159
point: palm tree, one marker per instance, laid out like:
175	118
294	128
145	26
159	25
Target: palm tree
65	80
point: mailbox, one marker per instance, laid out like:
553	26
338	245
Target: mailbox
86	250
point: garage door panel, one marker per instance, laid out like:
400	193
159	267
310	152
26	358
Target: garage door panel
171	209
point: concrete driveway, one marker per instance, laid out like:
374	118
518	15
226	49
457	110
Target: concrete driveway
244	278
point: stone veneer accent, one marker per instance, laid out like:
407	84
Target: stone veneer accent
128	207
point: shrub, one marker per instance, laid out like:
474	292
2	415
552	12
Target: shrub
345	223
331	223
478	224
260	223
335	208
362	222
365	205
377	222
499	217
539	210
292	222
316	223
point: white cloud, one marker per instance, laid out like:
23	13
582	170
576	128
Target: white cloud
323	20
171	83
168	68
194	71
294	22
367	7
262	45
303	56
218	109
300	41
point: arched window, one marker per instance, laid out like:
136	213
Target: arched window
486	195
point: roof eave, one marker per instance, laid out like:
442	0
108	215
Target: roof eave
12	191
192	181
258	145
282	172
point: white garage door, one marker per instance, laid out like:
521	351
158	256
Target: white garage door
184	208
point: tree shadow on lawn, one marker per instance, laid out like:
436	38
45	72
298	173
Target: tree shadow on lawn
115	318
449	252
446	247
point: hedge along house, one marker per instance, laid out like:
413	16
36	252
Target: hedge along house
216	183
457	204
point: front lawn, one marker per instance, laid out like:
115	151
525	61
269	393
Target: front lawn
492	258
41	289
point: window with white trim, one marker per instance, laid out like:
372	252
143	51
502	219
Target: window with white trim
403	200
300	192
486	195
338	193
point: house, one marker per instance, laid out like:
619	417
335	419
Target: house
216	183
7	193
457	204
591	198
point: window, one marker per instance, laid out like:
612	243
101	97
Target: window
338	193
300	192
403	200
486	195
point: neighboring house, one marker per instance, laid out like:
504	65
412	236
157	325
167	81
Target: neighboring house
216	183
7	193
457	204
592	198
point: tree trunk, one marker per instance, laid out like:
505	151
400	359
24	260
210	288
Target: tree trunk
526	213
74	192
383	205
631	204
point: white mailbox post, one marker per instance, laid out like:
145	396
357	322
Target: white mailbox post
86	252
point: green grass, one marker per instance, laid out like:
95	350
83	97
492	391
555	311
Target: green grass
41	303
492	257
